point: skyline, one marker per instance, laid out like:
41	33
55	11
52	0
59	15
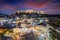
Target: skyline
11	6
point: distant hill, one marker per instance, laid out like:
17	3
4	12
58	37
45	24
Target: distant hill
8	12
4	13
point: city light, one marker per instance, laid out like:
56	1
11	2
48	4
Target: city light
27	26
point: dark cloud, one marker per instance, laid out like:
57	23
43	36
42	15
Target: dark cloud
55	0
10	2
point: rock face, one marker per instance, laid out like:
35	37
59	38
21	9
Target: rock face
31	11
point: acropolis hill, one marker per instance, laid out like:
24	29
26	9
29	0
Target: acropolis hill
31	11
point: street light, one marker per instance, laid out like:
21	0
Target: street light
41	37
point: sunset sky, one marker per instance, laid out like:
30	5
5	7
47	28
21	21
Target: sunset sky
11	6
